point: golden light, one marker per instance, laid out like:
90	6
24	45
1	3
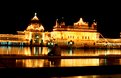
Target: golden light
35	17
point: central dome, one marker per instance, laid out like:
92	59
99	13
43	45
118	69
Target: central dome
35	25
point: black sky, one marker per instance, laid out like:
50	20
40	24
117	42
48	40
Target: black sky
16	15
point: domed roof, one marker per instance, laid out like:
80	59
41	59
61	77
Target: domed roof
35	25
32	28
81	22
35	17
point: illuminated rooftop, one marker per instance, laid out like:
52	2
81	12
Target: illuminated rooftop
35	25
81	22
35	17
78	26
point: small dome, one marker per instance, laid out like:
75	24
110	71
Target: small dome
41	28
35	17
32	28
35	25
81	22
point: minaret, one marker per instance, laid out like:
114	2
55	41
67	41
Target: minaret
56	24
94	25
62	21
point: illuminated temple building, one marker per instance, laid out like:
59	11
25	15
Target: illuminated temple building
80	34
33	35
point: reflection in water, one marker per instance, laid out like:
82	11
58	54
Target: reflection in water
70	51
39	51
93	76
55	62
36	50
30	63
23	50
38	63
110	61
7	63
64	52
58	62
79	62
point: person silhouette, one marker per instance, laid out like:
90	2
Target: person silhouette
55	51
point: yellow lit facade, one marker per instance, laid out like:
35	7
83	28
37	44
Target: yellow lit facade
80	33
33	35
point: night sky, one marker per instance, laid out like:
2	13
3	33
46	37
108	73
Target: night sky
16	15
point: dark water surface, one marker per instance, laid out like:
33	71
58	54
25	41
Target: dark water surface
62	68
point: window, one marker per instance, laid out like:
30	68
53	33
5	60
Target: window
82	37
85	37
